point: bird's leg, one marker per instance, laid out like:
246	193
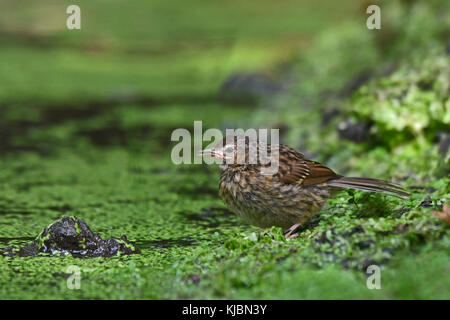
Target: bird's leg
289	233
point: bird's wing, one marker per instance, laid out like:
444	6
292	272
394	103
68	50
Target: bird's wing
294	168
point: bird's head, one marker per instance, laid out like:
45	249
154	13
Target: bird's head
239	151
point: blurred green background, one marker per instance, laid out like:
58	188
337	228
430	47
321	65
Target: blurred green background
85	123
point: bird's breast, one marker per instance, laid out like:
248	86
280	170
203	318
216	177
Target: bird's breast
266	202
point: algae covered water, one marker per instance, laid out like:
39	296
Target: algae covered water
86	118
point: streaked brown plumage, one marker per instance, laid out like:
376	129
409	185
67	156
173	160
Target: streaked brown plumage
289	197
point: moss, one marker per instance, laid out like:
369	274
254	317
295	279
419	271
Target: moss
91	139
77	227
412	103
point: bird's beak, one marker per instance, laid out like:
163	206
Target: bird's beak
211	153
208	153
205	152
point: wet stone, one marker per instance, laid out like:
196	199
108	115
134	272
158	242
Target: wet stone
356	132
249	87
70	235
426	203
444	142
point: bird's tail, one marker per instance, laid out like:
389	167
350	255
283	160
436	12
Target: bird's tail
369	184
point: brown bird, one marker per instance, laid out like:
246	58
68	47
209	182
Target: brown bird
286	197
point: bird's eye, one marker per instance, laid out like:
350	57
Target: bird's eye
229	149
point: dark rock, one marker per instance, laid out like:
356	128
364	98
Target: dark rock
195	278
427	189
355	83
348	262
389	69
426	203
403	211
430	189
329	115
425	85
368	262
364	244
352	231
326	237
356	132
248	87
70	235
444	142
402	228
293	249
